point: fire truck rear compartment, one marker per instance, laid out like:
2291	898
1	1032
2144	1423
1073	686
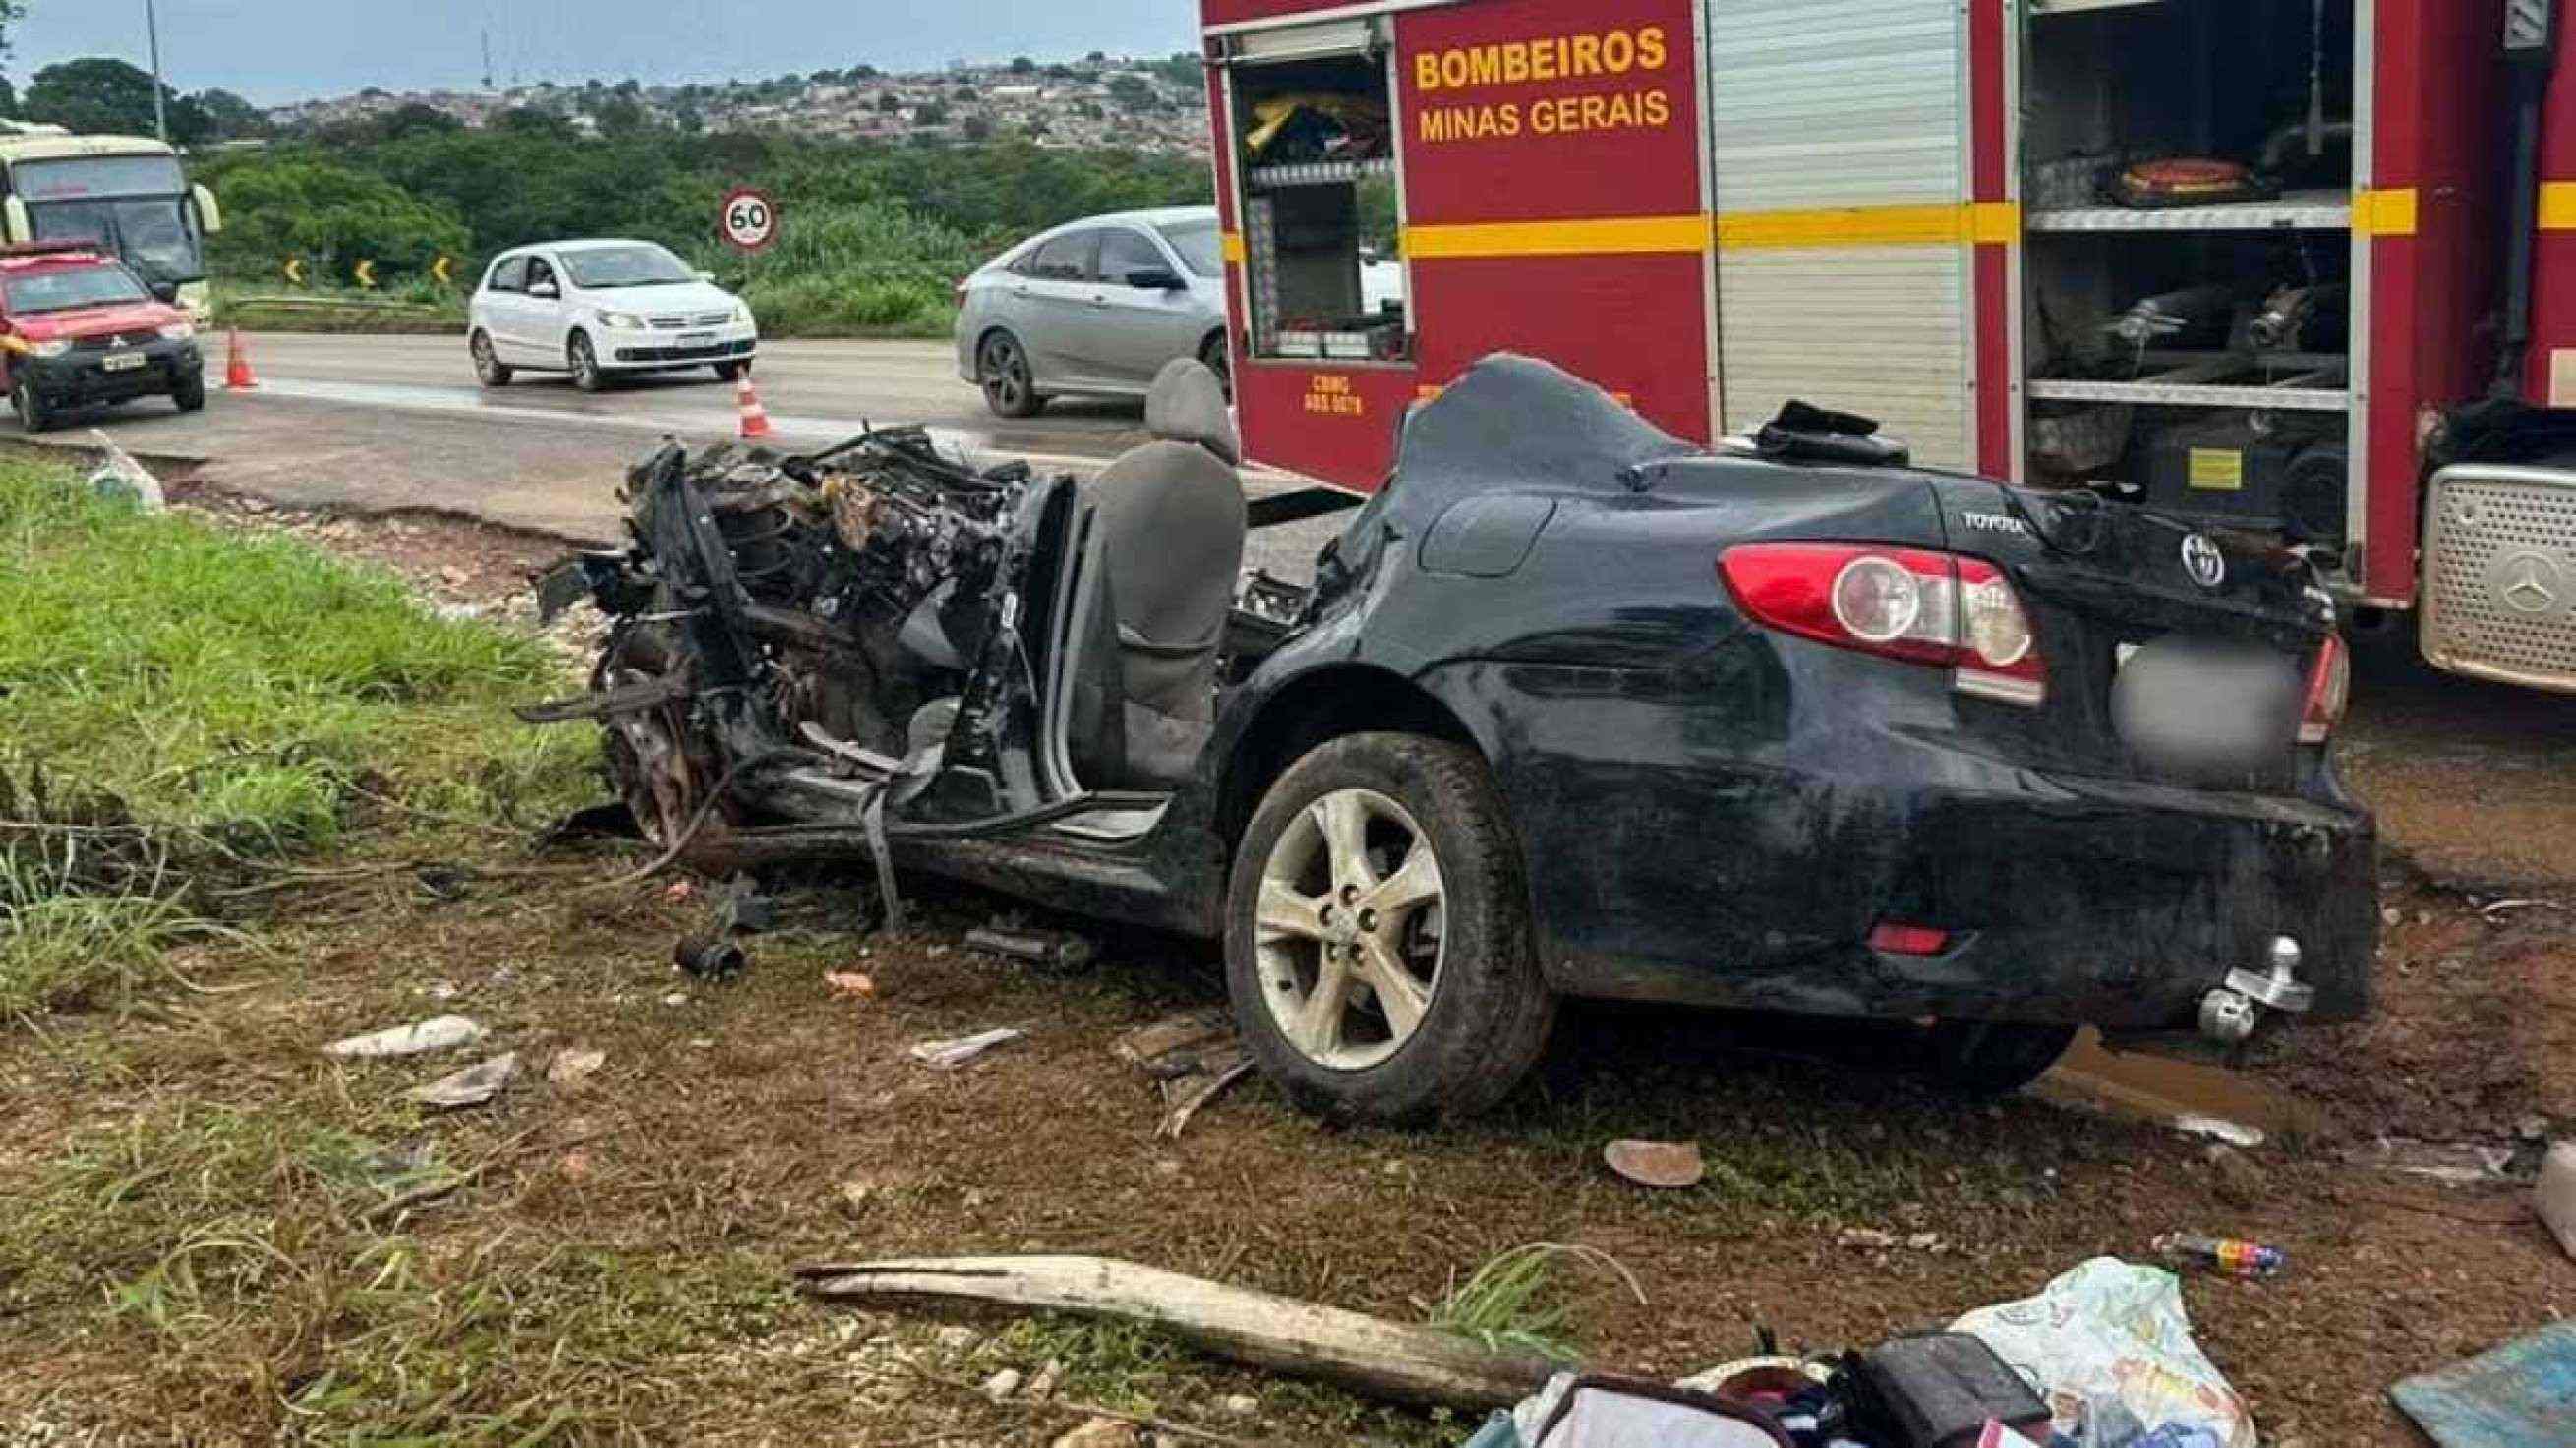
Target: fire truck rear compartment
2189	188
1318	168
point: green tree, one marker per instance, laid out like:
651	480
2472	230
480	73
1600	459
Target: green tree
931	113
1132	91
621	116
101	95
1022	65
976	128
230	115
335	215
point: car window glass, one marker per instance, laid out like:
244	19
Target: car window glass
539	272
511	275
1199	245
1067	258
1123	251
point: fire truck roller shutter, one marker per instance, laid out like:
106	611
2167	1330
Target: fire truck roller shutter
1843	266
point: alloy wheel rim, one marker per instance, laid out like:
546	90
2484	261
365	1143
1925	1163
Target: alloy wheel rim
585	363
1003	373
1349	931
483	358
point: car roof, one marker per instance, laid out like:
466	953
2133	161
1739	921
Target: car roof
592	243
1152	217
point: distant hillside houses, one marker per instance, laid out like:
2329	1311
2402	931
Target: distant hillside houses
1100	102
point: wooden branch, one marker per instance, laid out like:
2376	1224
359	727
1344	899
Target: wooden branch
1367	1355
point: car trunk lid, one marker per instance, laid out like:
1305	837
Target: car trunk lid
2219	628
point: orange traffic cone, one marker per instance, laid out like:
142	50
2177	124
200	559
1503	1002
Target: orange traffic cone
237	376
755	418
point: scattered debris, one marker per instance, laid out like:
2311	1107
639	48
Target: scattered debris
2228	1256
709	957
2555	1197
949	1055
676	998
1193	1058
1666	1164
1049	1378
2107	1341
742	908
679	892
2238	1181
1242	1405
1188	1094
1943	1387
1871	1239
2219	1128
850	984
120	476
445	1033
1053	950
470	1087
1365	1354
1001	1385
2523	1392
573	1064
2459	1164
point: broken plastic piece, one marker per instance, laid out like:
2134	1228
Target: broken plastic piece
949	1055
1667	1164
442	1034
1050	949
470	1087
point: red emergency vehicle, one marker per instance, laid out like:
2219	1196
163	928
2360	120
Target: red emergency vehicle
2302	267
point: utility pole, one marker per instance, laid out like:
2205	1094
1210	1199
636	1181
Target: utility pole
152	27
487	57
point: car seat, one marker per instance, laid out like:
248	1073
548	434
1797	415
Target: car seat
1160	565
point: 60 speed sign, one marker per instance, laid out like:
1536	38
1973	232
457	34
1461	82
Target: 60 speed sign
747	219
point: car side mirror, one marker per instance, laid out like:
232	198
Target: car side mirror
544	289
1156	280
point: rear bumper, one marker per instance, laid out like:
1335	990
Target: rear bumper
88	377
2065	900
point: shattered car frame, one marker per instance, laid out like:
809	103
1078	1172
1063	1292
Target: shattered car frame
1572	709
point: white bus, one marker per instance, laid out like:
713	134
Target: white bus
127	193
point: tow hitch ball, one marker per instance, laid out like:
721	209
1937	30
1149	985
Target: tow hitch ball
2230	1013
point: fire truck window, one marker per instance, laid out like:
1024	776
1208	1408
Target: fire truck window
1321	211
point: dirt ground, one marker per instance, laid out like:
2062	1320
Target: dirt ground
641	1223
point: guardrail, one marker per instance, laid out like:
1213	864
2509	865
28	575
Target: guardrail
337	304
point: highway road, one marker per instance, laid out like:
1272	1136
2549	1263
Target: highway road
384	423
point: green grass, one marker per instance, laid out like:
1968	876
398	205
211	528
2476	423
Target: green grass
251	695
1510	1304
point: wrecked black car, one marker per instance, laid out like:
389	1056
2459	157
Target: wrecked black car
1571	709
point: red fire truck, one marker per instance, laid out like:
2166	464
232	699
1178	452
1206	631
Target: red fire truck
2303	267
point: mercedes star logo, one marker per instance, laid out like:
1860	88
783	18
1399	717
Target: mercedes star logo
2529	583
2202	559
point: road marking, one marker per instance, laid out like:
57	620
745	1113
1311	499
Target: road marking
691	422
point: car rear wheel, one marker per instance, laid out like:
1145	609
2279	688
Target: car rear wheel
488	367
33	414
1992	1058
1002	369
1220	361
1379	953
585	364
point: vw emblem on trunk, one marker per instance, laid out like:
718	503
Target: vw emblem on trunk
2202	560
2529	583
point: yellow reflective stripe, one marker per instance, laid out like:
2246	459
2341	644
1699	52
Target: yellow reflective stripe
2385	213
1596	237
2558	205
1233	243
1870	226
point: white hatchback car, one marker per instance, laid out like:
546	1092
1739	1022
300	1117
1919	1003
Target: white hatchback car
598	309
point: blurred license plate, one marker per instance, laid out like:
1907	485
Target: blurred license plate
123	362
697	339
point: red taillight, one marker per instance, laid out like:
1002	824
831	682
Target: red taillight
2329	692
1905	603
1923	941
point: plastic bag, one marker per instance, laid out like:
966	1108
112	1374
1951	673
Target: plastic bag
2109	1346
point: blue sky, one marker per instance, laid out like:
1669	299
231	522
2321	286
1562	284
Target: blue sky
280	50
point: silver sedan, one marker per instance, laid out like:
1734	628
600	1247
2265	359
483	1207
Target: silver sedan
1094	308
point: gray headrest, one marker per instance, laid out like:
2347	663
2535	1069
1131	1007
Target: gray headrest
1188	405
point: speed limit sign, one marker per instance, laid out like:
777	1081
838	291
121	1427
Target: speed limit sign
747	220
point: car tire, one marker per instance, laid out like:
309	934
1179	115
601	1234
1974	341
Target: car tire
1010	385
1482	1015
189	392
584	360
489	369
731	371
1219	360
33	414
1994	1058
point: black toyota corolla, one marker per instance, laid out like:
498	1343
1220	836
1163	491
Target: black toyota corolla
1572	709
